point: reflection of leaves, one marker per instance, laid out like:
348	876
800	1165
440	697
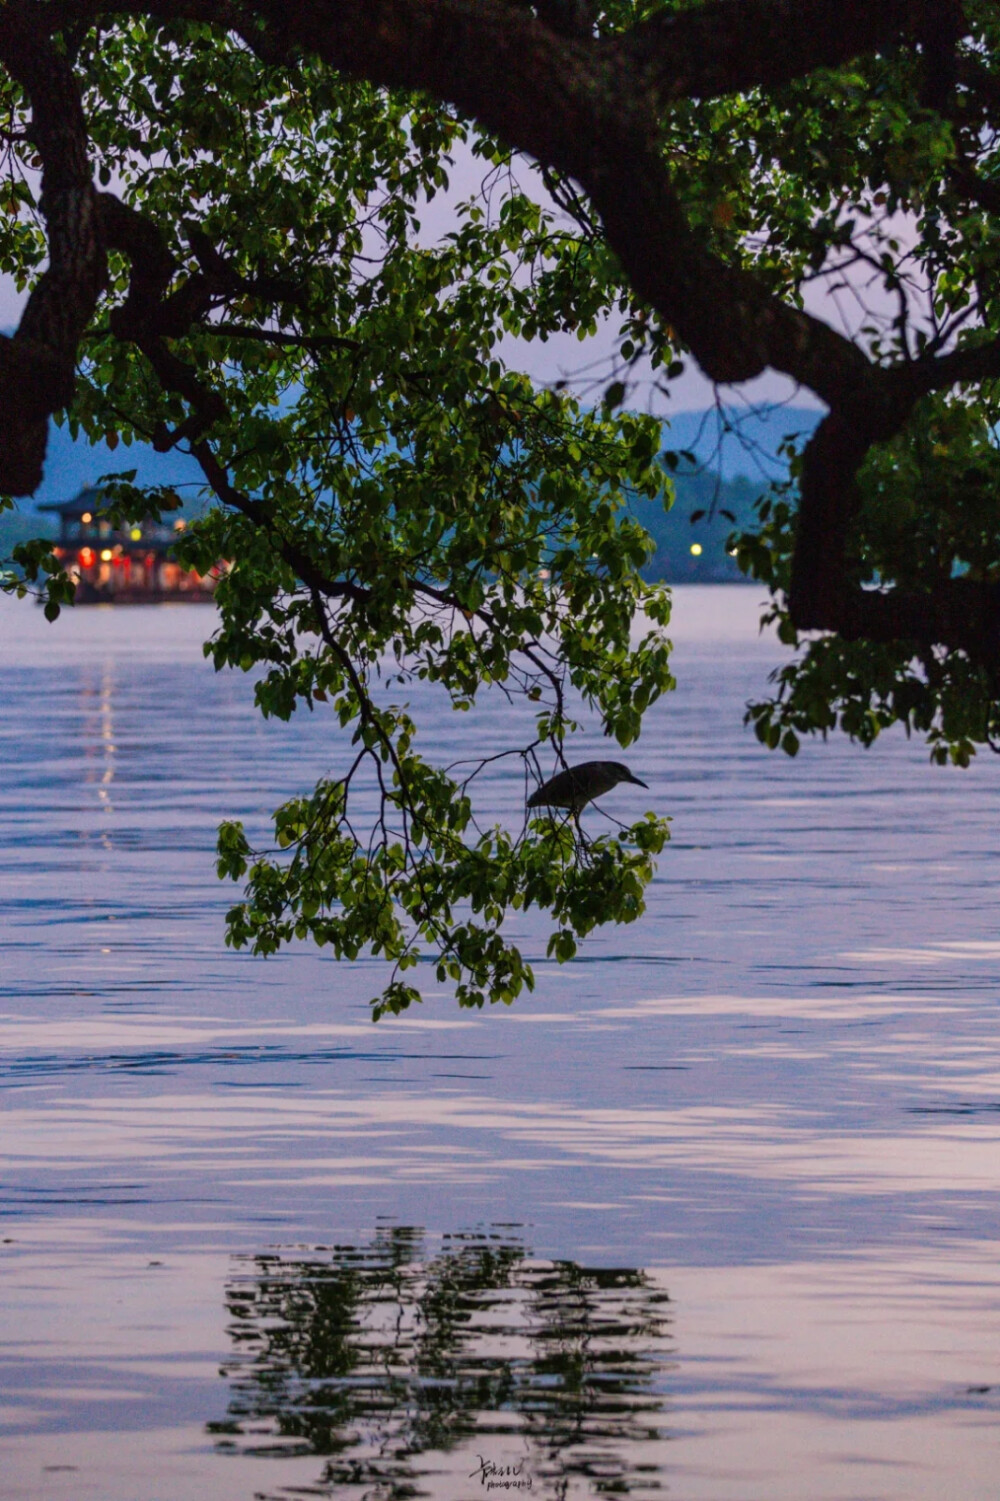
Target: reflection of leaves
373	1355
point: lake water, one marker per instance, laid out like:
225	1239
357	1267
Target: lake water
713	1215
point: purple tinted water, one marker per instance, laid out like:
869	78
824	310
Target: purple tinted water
714	1212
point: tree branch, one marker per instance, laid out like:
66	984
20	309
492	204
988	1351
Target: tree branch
590	108
279	337
38	363
733	45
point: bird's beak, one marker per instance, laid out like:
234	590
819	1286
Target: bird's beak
638	783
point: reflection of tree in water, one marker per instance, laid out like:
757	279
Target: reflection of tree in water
372	1355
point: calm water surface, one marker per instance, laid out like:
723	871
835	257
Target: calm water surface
713	1214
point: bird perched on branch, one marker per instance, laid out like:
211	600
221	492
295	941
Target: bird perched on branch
579	785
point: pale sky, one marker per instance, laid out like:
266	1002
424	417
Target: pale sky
562	357
587	364
565	357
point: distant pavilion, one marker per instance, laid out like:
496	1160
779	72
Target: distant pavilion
130	564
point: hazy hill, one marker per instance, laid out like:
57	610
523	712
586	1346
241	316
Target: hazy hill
736	454
734	440
694	550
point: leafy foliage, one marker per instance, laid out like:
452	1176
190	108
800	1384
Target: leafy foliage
930	513
397	503
871	184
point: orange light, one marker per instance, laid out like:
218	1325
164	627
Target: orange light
86	516
106	555
86	557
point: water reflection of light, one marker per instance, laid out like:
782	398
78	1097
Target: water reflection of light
328	1140
943	952
107	744
99	738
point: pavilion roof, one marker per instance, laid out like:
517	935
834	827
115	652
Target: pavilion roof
73	509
